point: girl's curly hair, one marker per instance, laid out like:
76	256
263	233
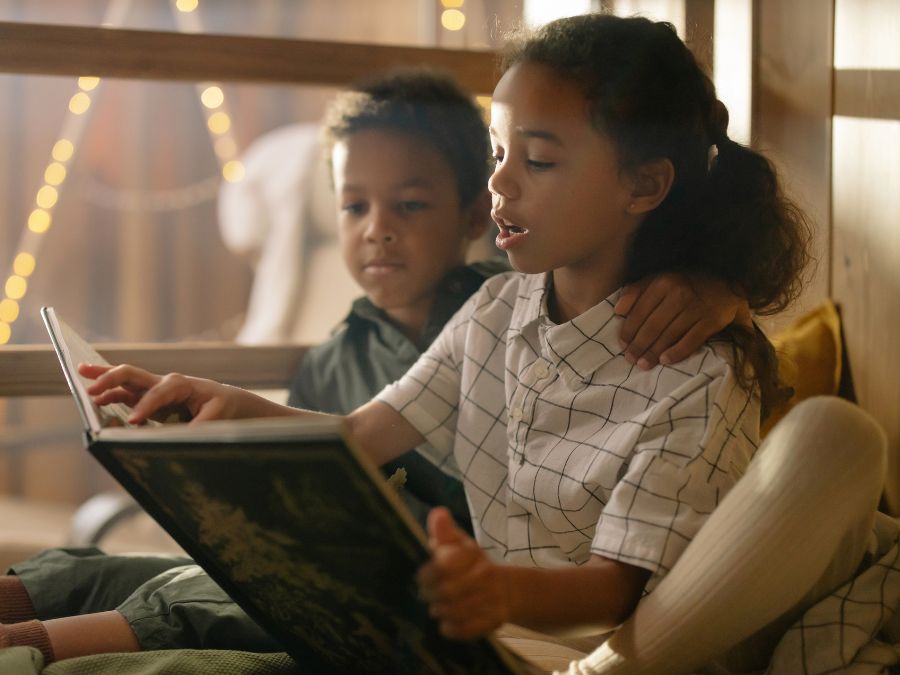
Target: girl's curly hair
726	215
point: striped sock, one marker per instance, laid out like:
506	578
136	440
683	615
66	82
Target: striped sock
15	605
27	634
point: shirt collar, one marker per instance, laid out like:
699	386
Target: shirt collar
576	348
580	347
451	293
530	303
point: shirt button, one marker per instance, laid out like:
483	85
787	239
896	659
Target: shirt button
541	369
515	415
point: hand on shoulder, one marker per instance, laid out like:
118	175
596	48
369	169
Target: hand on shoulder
669	316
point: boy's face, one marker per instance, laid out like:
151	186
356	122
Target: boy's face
400	222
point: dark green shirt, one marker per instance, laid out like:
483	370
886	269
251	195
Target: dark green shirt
367	352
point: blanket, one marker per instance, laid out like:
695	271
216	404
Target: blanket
28	661
856	628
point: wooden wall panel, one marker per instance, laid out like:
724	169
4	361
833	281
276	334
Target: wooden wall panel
866	240
792	117
867	269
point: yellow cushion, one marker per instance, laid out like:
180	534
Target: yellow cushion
809	357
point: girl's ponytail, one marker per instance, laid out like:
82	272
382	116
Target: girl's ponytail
762	250
758	239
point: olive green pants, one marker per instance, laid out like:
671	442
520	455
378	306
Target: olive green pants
169	601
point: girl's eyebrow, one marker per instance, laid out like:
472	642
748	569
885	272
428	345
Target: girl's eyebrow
534	133
539	133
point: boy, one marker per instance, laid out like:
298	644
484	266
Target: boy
409	162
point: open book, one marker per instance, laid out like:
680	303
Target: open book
299	528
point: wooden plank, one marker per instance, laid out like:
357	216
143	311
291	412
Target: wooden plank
699	28
41	49
33	370
792	109
867	272
867	93
866	242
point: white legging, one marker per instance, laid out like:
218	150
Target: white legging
793	529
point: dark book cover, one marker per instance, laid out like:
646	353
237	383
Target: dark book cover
306	542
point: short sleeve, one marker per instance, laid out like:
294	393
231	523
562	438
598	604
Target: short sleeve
428	394
691	452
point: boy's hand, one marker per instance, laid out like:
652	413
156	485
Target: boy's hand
669	316
465	591
150	395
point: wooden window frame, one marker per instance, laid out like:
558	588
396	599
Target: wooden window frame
42	49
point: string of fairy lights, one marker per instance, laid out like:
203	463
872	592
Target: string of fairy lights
218	123
40	219
453	16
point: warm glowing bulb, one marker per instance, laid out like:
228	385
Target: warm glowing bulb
62	150
212	97
79	103
219	123
39	221
453	19
23	265
233	171
16	287
5	332
225	147
88	83
450	4
186	5
9	310
55	174
46	197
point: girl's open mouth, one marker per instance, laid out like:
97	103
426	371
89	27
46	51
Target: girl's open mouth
509	235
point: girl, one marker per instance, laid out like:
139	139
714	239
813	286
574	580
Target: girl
586	477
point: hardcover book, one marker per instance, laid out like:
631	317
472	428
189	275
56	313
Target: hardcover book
297	527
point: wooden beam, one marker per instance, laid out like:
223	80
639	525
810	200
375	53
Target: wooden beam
699	28
33	370
867	93
41	49
792	106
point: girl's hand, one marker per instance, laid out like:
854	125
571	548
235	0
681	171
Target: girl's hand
156	396
466	592
668	317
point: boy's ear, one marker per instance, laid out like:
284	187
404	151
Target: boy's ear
651	182
479	216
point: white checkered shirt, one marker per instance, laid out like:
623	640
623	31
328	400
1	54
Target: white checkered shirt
565	448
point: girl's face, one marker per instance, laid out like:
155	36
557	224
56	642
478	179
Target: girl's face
559	197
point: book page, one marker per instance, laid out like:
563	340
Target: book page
72	349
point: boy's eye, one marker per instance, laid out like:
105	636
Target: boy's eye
412	206
497	157
354	208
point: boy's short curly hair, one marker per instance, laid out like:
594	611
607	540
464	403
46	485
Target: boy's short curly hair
427	104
